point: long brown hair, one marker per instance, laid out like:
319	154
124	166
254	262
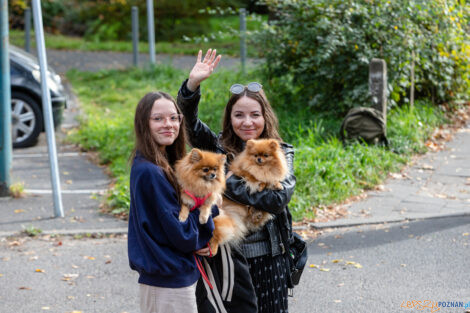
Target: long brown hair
229	140
148	147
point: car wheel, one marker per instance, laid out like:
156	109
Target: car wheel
26	120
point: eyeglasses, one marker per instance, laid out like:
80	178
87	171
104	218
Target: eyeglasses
174	118
237	89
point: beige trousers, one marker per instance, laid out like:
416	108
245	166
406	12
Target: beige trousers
167	300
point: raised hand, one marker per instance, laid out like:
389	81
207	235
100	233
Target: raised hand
203	68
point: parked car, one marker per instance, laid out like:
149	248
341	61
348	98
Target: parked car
26	101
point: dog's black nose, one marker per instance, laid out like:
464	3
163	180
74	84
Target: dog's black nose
212	176
260	160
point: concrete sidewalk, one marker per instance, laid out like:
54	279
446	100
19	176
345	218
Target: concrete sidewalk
82	183
62	61
435	185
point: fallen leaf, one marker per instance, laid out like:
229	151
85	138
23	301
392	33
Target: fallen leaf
68	181
325	269
65	173
312	266
427	167
337	301
465	234
68	277
337	261
340	284
45	308
357	265
90	277
88	257
34	258
1	275
107	262
38	270
75	266
19	211
403	265
24	288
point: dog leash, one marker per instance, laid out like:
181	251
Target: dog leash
197	203
201	268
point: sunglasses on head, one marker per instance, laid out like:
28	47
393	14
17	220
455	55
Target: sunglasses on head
237	89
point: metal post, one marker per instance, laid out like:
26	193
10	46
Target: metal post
243	38
412	87
27	29
5	107
151	30
135	35
47	109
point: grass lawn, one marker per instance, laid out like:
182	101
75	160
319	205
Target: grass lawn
326	171
223	38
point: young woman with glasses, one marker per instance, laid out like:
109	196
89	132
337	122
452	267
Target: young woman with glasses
248	115
160	247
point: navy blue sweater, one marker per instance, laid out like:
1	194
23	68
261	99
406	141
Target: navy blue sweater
160	247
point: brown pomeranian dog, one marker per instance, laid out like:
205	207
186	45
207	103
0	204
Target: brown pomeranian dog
261	165
201	177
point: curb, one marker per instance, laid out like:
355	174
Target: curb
72	232
352	223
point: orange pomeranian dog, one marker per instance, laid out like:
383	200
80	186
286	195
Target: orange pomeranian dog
201	177
261	165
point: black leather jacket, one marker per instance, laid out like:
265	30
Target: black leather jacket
271	239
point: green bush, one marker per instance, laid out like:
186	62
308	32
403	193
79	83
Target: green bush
324	47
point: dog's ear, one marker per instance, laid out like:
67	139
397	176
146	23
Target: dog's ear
250	144
274	145
195	155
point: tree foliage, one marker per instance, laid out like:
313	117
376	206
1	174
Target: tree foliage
324	47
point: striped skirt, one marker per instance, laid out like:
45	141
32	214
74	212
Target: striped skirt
269	277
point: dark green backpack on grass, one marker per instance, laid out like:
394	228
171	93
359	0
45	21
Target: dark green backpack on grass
364	124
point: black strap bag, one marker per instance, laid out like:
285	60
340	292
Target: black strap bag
364	124
298	254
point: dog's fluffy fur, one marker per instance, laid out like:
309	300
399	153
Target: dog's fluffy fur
261	165
200	173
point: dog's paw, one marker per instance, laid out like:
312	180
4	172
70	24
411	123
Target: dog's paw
183	216
257	217
203	218
214	246
261	186
278	186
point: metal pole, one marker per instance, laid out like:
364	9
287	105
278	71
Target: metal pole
243	38
27	29
46	104
135	35
151	30
412	87
5	107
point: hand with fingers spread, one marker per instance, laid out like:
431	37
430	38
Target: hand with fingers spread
203	68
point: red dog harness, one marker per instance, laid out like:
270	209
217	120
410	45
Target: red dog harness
197	203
